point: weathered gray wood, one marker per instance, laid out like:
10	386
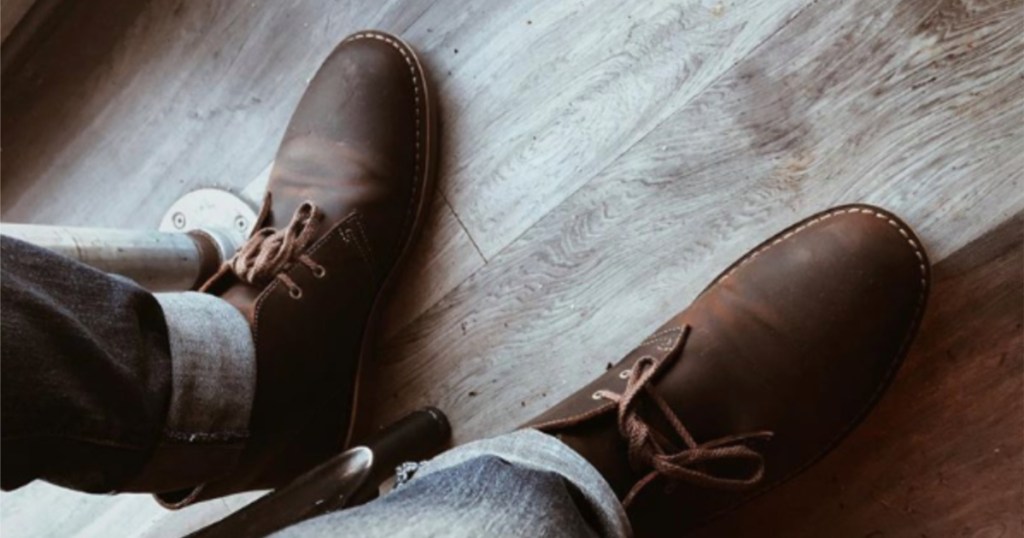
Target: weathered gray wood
670	137
183	95
556	93
443	256
172	95
917	108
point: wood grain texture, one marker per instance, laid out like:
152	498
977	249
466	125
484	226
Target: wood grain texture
829	110
600	162
442	257
550	104
169	94
943	454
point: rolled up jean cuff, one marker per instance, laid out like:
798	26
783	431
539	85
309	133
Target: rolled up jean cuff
539	451
213	383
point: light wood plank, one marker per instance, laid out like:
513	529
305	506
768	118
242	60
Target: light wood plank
41	509
164	96
178	96
539	104
917	108
442	257
526	118
668	144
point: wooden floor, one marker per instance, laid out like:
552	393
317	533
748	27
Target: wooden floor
601	161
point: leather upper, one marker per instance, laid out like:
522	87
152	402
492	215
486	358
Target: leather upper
359	147
799	338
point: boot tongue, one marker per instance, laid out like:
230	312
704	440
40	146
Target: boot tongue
242	296
267	252
600	443
226	285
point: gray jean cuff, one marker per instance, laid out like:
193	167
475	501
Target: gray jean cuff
213	383
535	450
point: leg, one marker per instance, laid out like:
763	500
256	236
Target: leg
87	374
263	365
95	382
520	484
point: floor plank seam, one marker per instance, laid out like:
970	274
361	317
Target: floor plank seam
464	229
639	139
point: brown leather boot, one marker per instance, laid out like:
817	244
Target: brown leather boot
347	193
768	369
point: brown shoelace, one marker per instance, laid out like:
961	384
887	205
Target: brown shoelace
269	253
653	451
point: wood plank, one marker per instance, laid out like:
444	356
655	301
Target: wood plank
916	108
539	104
41	509
943	454
173	96
442	257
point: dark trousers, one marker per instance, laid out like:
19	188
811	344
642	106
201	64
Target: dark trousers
86	386
86	372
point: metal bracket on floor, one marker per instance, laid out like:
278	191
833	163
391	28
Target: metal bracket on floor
225	217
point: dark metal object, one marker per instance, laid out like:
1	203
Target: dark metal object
345	480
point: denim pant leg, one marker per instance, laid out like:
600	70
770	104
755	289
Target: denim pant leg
525	484
86	377
105	386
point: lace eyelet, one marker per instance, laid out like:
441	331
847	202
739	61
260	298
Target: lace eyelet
295	292
319	271
625	373
596	396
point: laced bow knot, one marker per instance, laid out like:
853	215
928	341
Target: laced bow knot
650	450
269	252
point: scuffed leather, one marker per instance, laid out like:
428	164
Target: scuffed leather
799	337
358	146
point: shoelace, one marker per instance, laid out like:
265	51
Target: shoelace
269	253
649	449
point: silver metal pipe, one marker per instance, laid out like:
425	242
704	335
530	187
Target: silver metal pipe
158	261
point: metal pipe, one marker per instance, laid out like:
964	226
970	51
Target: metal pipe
158	261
